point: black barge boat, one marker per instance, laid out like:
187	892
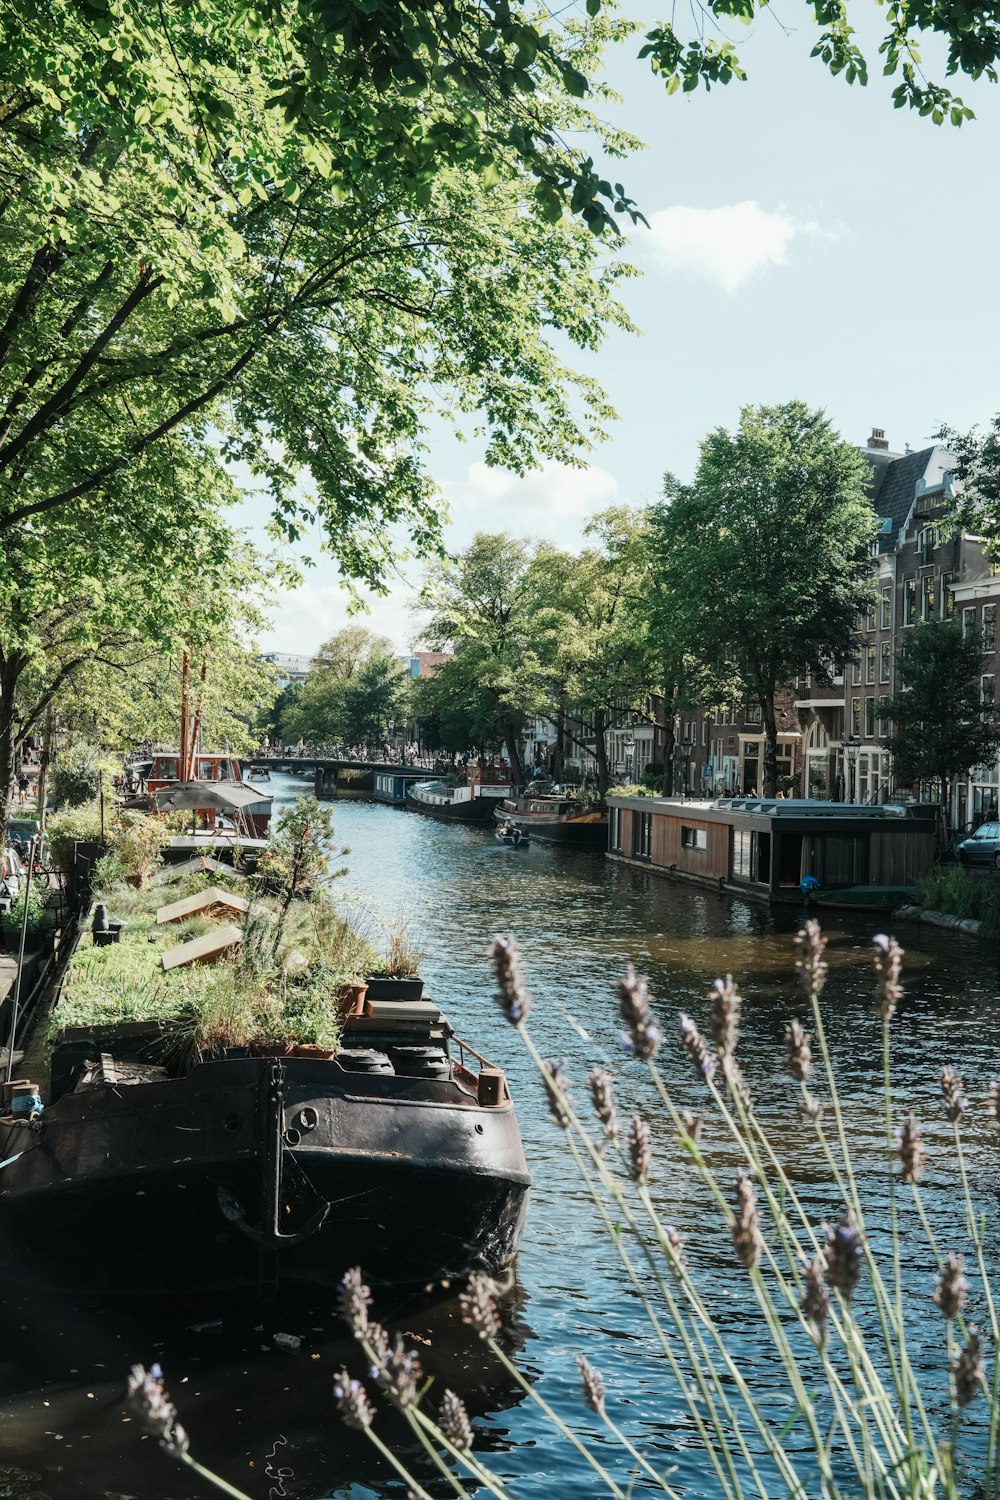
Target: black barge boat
557	819
400	1153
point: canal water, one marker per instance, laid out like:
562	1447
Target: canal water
263	1415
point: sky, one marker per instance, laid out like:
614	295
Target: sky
806	240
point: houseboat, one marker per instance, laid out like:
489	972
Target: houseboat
215	793
151	1172
557	819
766	848
391	786
473	802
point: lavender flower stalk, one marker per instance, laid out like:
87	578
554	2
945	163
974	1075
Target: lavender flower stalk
745	1229
810	963
692	1125
727	1003
888	966
557	1088
952	1287
640	1151
478	1307
643	1036
953	1094
694	1045
910	1149
352	1402
453	1421
815	1304
798	1053
602	1091
968	1369
843	1254
398	1373
512	995
594	1389
155	1410
353	1301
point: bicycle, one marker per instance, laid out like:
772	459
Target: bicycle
42	873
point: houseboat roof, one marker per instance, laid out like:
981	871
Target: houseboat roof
811	809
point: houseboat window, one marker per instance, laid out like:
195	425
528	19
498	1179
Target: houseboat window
741	853
168	768
206	770
885	615
642	834
615	828
694	838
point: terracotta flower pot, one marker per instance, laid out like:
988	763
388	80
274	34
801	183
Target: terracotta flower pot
351	999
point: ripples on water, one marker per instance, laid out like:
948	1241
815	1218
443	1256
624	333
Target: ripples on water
579	920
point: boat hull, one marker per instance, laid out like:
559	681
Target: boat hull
476	810
149	1189
588	831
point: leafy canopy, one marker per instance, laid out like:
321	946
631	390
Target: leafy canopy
940	725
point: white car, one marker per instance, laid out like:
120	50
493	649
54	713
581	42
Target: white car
11	875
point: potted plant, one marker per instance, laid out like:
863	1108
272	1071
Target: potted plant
400	978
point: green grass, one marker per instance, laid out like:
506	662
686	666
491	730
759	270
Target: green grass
242	999
960	893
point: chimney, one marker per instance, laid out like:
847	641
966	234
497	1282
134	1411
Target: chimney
877	440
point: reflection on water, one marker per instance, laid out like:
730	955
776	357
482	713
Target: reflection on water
579	920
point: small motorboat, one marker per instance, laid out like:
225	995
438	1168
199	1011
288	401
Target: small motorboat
512	836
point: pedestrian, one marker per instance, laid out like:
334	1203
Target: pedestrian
22	785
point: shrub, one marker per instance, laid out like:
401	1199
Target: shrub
10	924
76	776
65	829
137	843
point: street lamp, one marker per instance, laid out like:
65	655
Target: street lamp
852	744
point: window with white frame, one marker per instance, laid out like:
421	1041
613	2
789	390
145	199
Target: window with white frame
885	609
910	602
987	690
989	627
705	724
885	661
753	714
869	718
855	715
870	663
870	618
856	668
968	622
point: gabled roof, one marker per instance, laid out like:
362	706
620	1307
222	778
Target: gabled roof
894	487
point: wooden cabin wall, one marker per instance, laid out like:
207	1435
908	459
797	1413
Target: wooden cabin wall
900	857
668	850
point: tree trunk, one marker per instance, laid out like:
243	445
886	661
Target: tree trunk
770	775
10	671
45	761
601	751
559	753
513	754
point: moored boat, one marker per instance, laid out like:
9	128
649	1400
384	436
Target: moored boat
400	1153
470	803
557	819
512	836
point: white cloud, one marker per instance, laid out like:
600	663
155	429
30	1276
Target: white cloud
726	245
303	618
552	501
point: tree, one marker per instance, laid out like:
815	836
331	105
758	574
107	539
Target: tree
376	696
592	607
319	713
765	554
483	608
940	724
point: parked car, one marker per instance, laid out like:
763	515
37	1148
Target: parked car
11	874
981	847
